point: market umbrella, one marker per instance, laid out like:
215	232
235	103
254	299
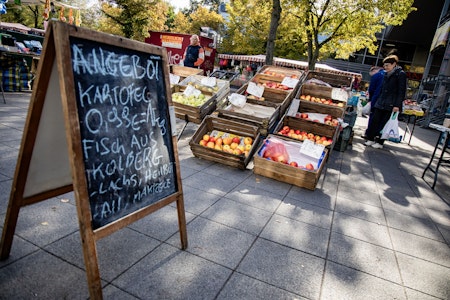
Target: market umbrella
46	12
78	18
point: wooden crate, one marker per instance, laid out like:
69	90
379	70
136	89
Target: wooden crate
324	129
222	87
286	173
265	125
273	70
211	123
184	72
279	97
320	91
295	123
192	113
335	80
314	107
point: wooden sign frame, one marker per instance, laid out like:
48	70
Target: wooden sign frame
51	160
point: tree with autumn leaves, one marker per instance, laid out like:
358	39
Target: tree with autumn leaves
296	29
310	29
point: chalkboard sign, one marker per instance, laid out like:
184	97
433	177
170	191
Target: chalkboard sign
101	124
125	128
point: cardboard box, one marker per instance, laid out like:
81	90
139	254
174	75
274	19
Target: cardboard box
230	127
286	173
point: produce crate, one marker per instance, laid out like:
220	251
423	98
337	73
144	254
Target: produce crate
221	90
281	72
281	98
308	127
194	114
335	80
211	123
264	124
334	111
286	173
320	91
184	72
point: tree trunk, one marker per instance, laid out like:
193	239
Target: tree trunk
274	22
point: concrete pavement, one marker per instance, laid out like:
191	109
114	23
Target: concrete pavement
373	229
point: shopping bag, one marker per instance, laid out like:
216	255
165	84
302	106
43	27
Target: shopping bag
366	109
390	130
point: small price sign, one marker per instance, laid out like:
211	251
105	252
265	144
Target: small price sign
237	99
255	90
312	149
209	81
290	82
174	79
190	90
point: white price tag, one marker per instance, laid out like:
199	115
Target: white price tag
289	82
255	90
190	90
339	94
174	79
293	108
312	149
209	81
237	100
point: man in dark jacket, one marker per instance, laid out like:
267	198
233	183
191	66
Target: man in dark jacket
376	80
392	94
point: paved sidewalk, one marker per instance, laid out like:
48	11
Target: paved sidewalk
373	229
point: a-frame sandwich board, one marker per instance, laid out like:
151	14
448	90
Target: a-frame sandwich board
101	123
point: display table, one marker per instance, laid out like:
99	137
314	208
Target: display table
412	118
442	145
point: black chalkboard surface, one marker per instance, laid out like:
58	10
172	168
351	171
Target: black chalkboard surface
125	128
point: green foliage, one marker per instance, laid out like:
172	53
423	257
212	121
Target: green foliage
192	24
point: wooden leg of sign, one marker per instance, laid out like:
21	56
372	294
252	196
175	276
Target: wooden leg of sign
186	121
91	263
9	228
182	222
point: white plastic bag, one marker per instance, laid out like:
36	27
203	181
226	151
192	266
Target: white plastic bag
366	109
390	129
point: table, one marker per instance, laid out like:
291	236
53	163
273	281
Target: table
408	122
442	145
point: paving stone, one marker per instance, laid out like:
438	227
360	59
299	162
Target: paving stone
298	235
115	253
341	282
305	212
216	242
420	247
196	201
363	256
267	184
425	276
241	287
317	197
283	267
237	215
360	210
210	183
250	195
42	276
361	195
370	232
170	273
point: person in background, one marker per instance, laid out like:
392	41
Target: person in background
392	94
194	55
376	80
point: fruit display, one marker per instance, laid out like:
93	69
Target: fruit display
322	100
276	85
226	142
303	135
191	100
280	75
286	153
204	88
320	118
